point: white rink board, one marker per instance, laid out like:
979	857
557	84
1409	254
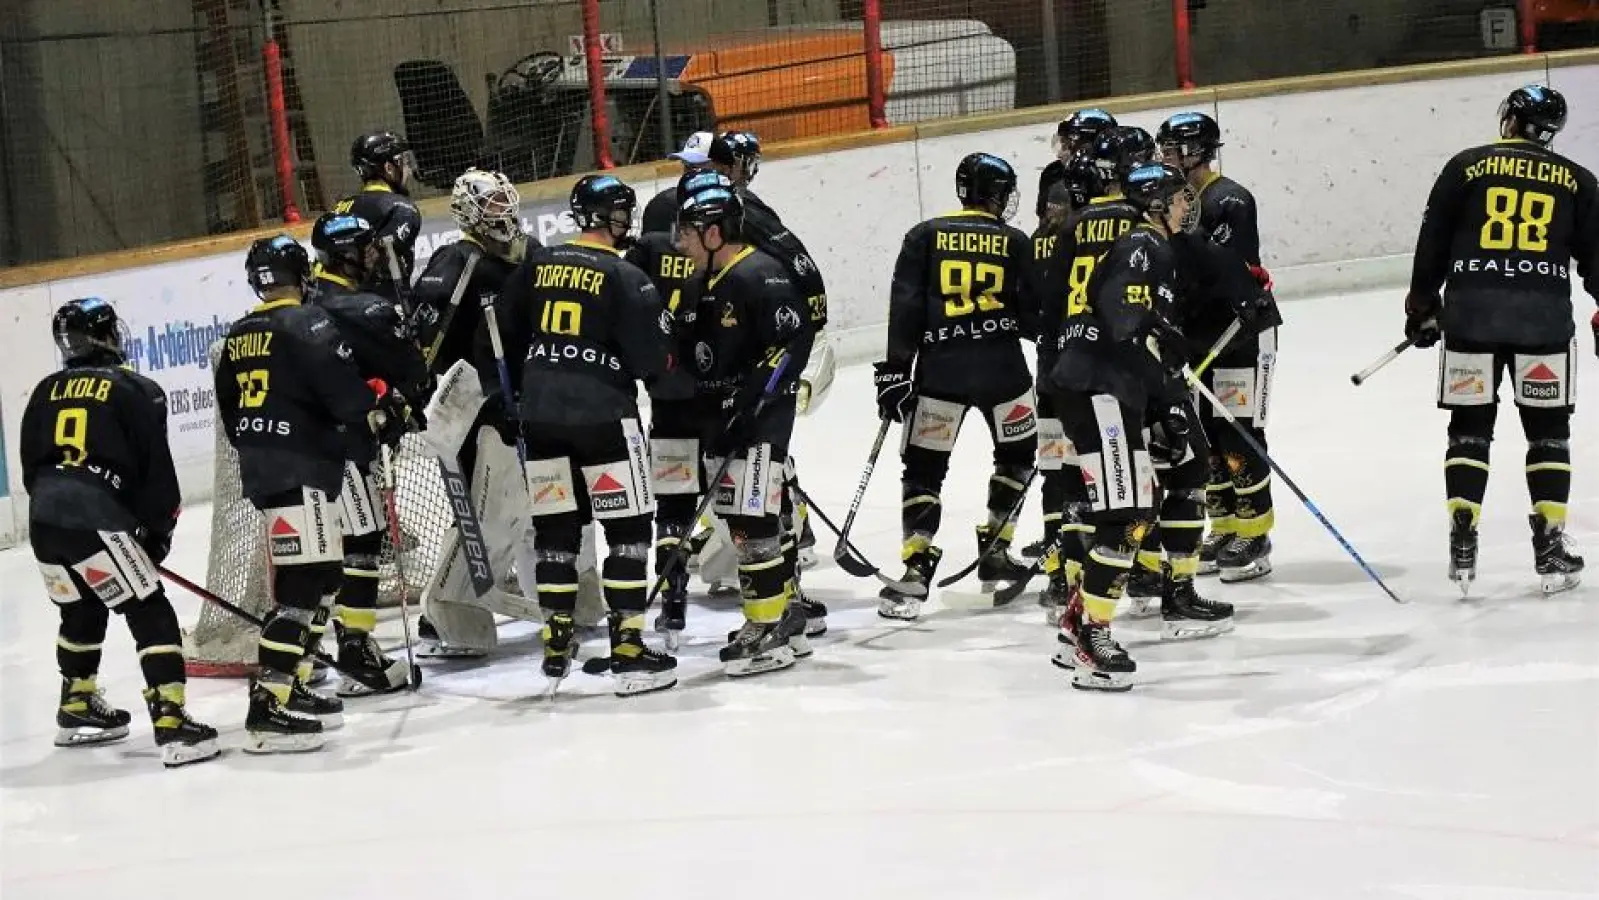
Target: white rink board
1335	746
1340	176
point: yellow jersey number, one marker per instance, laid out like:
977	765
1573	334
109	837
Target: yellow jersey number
562	317
968	287
72	435
1502	231
1077	281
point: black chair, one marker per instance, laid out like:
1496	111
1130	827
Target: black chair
441	125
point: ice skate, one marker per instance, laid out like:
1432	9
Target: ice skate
84	718
1559	569
560	646
1144	588
1099	663
1462	551
756	648
795	627
806	543
270	728
996	564
1071	620
673	617
635	668
1210	551
1185	615
1036	548
919	569
181	739
1054	597
815	615
1245	559
365	668
306	702
430	645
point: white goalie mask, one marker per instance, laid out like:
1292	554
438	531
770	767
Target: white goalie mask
486	205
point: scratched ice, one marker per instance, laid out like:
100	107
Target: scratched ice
1336	746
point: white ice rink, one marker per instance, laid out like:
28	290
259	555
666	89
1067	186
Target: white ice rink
1335	746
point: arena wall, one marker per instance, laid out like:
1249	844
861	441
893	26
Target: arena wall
1340	166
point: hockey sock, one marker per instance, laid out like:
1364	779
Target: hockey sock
1052	496
1466	474
920	512
1182	524
155	629
313	638
626	574
557	576
1549	478
1004	492
1105	573
83	626
1148	550
763	575
358	592
1252	509
1219	499
283	638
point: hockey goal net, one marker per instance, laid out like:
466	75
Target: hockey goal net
223	645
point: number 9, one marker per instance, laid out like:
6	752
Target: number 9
72	432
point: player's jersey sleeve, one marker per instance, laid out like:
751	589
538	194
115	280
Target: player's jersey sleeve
329	362
1438	225
782	326
1585	246
156	497
1238	222
1124	286
643	331
431	295
1028	264
907	299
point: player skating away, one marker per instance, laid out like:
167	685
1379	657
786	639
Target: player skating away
348	255
1087	235
1116	373
1075	134
97	466
751	332
957	317
1238	499
581	327
383	162
661	212
292	403
1503	223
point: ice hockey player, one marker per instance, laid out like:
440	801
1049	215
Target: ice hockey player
291	401
1116	373
349	253
383	162
1503	223
1084	239
581	326
956	320
1074	135
752	336
1238	499
737	155
97	466
661	212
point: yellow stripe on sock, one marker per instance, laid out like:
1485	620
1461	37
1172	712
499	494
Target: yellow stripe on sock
1149	559
83	686
172	693
1184	567
1114	560
1246	489
291	649
1455	504
155	649
1182	523
358	619
1257	526
772	563
633	622
1465	462
1223	525
1549	467
1100	609
71	647
553	588
621	585
1553	512
302	672
765	609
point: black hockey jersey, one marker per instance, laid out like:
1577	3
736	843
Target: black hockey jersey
959	306
1227	214
291	399
660	214
678	287
581	325
94	451
1085	237
1105	347
433	290
393	216
765	229
1503	224
379	339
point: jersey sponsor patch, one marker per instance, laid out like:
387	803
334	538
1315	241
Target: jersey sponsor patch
549	486
285	538
104	579
1543	380
304	534
935	424
1235	388
752	485
58	584
675	465
358	502
133	562
1016	420
1052	445
1465	379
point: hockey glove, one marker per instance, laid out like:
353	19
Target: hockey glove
895	393
390	417
1421	318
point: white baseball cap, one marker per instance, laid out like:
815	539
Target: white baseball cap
696	150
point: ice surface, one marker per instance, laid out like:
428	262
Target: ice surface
1336	745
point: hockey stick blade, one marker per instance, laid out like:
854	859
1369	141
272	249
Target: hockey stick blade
853	562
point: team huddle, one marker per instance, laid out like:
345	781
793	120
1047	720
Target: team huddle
1143	414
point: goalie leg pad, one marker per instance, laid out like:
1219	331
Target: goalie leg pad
817	378
452	410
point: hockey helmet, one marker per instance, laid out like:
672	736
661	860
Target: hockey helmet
1080	129
1120	150
1151	187
340	238
740	151
1192	137
1535	113
596	199
373	152
984	181
275	263
486	204
87	329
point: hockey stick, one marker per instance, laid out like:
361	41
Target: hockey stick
847	560
857	558
392	509
1220	345
680	554
1015	511
1360	377
240	613
1314	510
492	320
432	351
402	290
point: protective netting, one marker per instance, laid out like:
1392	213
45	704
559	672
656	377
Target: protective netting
126	124
224	645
